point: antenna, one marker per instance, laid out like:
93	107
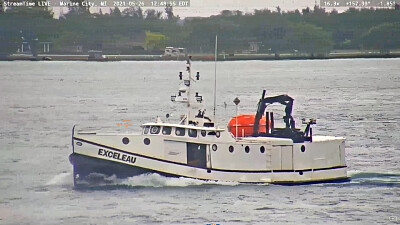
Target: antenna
215	78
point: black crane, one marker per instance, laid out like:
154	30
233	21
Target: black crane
290	130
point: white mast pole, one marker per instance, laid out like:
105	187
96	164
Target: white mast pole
188	91
215	79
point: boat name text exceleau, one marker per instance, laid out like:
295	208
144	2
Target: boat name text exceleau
117	155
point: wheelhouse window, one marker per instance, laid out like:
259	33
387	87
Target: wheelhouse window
192	133
146	129
180	131
155	129
166	130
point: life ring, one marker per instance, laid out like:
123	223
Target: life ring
155	130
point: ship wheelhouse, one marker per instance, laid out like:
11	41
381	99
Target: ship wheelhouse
183	131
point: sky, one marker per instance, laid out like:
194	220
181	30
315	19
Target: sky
213	7
205	8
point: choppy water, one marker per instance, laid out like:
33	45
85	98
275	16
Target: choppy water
41	101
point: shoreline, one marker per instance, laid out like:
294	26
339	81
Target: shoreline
196	57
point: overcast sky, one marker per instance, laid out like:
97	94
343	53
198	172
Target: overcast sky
214	7
211	7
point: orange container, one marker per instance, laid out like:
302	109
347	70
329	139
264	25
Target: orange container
245	124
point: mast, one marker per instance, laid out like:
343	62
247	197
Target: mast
188	68
185	94
215	79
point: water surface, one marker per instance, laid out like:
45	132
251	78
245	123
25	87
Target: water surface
41	101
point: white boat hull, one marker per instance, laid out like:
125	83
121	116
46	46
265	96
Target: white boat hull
91	156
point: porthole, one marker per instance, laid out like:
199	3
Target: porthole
262	149
301	172
79	143
146	141
203	133
166	130
303	148
146	129
247	149
214	147
155	130
218	134
192	133
125	140
231	148
180	131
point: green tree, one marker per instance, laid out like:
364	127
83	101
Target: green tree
383	37
1	6
116	12
78	10
8	41
152	14
155	40
169	12
310	39
134	12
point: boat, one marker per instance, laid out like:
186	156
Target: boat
96	55
250	150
